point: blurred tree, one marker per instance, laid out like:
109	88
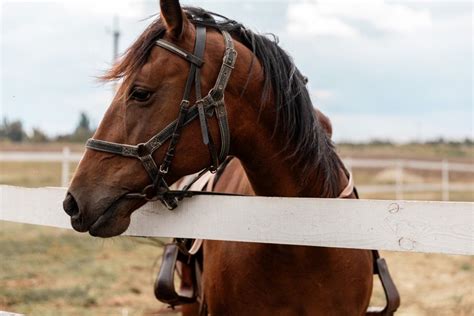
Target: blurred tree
83	130
436	141
38	136
84	122
380	142
12	131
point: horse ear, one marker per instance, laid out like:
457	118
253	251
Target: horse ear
173	16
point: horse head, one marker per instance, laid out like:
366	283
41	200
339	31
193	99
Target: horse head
186	101
149	99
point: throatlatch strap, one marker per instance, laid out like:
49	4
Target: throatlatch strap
224	74
206	136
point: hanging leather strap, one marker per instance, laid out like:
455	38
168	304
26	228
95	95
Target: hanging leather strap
392	297
164	285
206	136
228	63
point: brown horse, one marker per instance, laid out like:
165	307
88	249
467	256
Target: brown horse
232	179
273	132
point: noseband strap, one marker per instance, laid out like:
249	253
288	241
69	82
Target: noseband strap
204	107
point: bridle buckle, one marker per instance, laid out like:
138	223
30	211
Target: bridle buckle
229	58
171	202
163	169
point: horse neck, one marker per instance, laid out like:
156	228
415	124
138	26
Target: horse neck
272	172
256	142
272	177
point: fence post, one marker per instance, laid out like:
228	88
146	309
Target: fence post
445	180
65	167
399	180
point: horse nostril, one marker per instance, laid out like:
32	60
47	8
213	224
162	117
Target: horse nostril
70	205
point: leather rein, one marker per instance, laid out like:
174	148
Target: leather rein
204	108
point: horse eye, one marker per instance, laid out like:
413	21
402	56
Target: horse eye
140	95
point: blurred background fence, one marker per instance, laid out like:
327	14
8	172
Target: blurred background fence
394	169
444	167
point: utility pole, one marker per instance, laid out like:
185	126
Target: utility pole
116	36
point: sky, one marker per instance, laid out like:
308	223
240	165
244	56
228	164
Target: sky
380	70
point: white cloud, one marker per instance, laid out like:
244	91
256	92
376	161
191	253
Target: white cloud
302	23
336	18
124	8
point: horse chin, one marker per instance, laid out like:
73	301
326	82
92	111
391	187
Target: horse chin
115	220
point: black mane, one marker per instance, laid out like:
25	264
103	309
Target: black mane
306	141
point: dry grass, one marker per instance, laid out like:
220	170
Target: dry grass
433	284
459	153
46	271
32	174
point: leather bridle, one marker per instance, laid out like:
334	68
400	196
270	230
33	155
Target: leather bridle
204	107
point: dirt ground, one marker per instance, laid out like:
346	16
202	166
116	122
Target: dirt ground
47	271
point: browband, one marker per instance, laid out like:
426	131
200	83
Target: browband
180	52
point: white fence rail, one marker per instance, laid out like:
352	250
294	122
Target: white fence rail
66	157
400	165
412	226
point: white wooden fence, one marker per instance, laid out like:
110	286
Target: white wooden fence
415	226
443	166
400	165
411	226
